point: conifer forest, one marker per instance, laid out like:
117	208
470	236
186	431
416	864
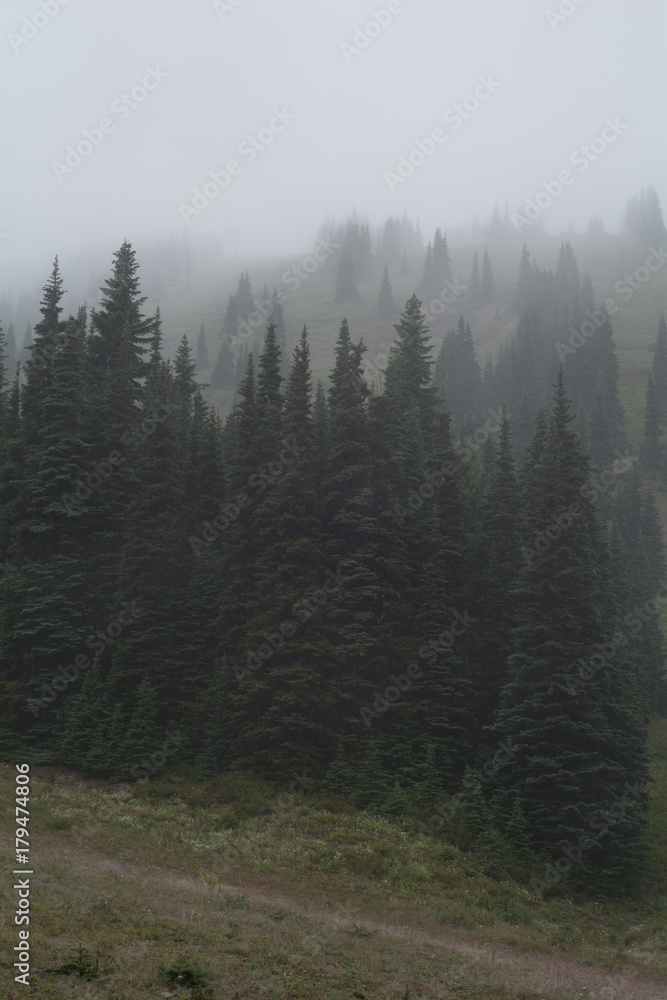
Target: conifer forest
333	501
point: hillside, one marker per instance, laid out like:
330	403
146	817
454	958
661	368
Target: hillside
187	301
301	897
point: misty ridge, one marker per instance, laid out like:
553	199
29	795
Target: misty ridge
333	494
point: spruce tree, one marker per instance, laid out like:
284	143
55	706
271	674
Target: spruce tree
475	287
487	287
282	725
386	307
498	562
659	370
651	445
222	376
578	733
203	360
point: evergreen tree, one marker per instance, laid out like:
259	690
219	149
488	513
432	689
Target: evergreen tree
487	289
386	306
243	299
120	317
659	370
218	748
442	269
498	561
524	286
475	287
650	445
578	742
230	324
203	360
282	726
143	737
222	376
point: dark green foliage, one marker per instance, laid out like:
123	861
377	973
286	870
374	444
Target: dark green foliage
660	371
79	962
650	444
332	587
579	734
185	972
457	376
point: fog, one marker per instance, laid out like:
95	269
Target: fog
310	106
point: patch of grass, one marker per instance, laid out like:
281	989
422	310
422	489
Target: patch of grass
147	881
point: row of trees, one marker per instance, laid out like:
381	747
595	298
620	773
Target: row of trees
330	581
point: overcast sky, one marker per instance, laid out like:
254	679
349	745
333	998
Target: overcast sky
333	110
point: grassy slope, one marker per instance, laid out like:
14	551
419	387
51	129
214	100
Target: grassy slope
297	898
635	324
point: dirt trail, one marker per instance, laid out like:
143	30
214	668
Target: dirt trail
552	975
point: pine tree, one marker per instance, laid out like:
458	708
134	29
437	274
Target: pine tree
218	747
230	324
650	445
243	299
203	360
143	737
222	376
499	560
409	368
120	316
487	289
659	370
386	307
475	287
282	726
524	286
442	269
578	742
